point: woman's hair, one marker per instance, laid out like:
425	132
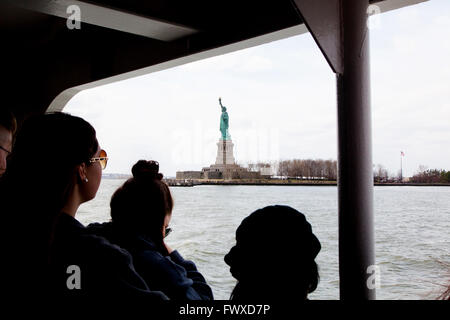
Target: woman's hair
8	121
142	203
42	171
274	255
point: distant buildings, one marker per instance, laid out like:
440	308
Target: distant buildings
115	176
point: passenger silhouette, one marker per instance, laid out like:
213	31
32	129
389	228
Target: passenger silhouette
8	127
141	210
56	165
273	258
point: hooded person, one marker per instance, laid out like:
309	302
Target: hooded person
273	258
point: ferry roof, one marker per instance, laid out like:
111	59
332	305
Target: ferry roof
41	57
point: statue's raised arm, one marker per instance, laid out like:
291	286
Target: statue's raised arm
220	102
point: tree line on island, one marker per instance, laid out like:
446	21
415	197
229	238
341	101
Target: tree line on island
431	176
303	169
308	169
423	175
319	169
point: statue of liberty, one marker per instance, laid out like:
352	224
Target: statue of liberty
224	122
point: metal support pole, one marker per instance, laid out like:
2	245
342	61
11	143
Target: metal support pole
355	177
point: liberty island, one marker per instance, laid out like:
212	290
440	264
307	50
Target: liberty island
225	167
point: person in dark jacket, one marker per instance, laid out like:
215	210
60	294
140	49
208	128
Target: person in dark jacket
56	164
141	210
273	258
8	127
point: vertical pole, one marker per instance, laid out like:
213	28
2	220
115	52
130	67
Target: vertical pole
401	167
355	177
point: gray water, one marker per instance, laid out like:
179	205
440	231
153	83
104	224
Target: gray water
411	231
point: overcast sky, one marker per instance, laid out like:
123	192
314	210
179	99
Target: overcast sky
281	100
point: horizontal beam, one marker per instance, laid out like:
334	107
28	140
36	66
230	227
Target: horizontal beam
110	18
389	5
61	100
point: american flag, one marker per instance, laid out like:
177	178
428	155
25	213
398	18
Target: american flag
402	153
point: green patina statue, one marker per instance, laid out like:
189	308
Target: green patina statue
224	122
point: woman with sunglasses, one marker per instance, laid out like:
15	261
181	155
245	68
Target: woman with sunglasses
141	210
56	165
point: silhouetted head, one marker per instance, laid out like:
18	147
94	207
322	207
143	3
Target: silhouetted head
50	162
8	127
143	203
274	255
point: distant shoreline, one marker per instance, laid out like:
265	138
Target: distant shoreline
284	182
269	182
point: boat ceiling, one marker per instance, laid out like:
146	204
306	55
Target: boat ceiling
41	57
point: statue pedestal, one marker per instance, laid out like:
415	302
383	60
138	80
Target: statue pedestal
225	152
225	166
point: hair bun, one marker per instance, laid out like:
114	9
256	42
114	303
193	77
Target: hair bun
144	169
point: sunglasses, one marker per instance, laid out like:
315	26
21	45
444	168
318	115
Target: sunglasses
4	149
102	158
167	231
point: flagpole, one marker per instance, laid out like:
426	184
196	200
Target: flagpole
401	166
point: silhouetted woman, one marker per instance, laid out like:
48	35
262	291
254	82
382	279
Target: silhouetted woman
55	166
273	258
141	210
